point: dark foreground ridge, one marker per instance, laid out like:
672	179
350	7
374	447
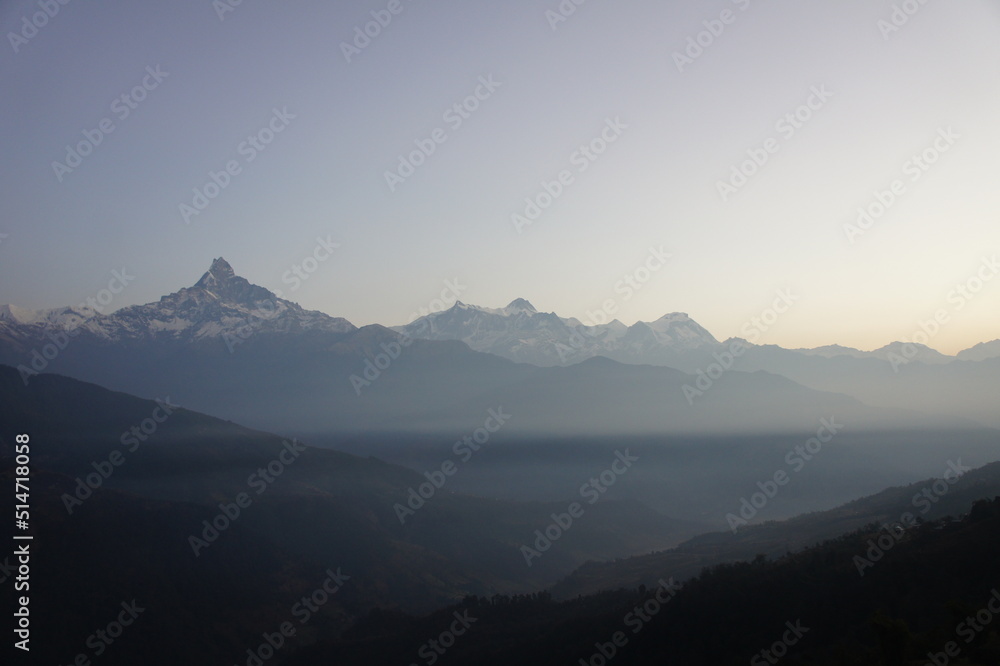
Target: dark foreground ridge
197	541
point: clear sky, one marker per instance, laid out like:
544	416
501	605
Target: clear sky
884	96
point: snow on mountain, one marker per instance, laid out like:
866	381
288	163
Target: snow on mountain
679	331
520	333
220	304
224	305
518	306
58	317
17	315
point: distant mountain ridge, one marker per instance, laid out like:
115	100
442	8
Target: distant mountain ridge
521	333
232	348
222	304
900	375
981	352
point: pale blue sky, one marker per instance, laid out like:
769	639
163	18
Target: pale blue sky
656	185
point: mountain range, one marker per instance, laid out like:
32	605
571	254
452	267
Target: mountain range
221	305
229	347
705	433
899	375
522	334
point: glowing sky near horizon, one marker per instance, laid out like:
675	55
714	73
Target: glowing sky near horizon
888	96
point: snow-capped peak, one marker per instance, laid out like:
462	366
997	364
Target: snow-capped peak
221	282
674	317
220	304
679	330
517	306
522	333
219	273
20	315
59	317
520	305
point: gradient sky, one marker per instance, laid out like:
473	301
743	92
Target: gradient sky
655	186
